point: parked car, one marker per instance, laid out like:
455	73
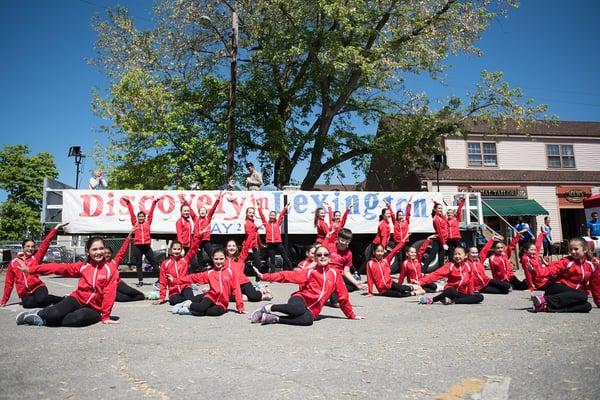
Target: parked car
58	254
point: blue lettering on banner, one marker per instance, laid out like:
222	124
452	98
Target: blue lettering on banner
278	200
336	201
371	203
319	202
419	209
300	202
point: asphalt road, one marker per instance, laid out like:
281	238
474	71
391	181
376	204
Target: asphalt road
402	350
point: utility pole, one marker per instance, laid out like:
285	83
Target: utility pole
232	95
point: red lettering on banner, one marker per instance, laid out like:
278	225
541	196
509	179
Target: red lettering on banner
87	205
110	204
237	206
170	204
143	201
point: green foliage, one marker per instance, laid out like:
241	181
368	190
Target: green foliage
22	177
309	69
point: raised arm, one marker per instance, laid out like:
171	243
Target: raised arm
131	212
423	249
392	214
189	256
461	204
396	249
330	211
41	251
345	216
262	216
436	275
282	215
151	211
486	249
539	241
211	212
408	211
513	244
299	276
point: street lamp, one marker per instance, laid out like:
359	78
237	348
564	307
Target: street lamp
75	151
233	53
439	160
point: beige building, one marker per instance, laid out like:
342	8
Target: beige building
555	166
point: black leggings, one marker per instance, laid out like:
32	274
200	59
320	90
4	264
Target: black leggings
561	299
430	288
251	293
398	290
458	297
517	284
274	248
40	298
186	294
496	286
126	293
206	308
69	312
201	265
256	259
297	313
139	250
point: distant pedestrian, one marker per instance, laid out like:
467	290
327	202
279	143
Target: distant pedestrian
255	180
548	242
594	225
524	227
98	181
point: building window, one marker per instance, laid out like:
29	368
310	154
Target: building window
482	154
560	156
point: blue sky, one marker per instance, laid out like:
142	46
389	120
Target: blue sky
548	48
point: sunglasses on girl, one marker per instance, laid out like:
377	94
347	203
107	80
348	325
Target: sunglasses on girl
321	254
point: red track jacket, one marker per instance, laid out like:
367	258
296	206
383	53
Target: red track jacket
223	282
459	277
185	227
177	267
317	286
479	275
201	223
379	272
411	269
142	231
273	229
501	267
400	227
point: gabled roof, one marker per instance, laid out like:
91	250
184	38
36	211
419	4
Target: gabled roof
559	128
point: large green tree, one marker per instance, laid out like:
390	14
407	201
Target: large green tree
22	178
309	70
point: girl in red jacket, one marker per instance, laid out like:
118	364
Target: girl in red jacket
236	261
142	239
483	283
177	266
252	238
309	260
322	228
572	278
337	222
454	239
460	286
378	273
94	297
384	231
530	259
273	237
305	305
223	283
411	268
30	289
500	265
125	293
202	227
440	226
185	228
401	223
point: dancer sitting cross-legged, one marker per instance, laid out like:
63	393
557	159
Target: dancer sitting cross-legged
460	286
305	305
223	282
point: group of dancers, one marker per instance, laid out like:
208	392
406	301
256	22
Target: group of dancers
324	277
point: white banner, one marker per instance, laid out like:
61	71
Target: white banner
105	211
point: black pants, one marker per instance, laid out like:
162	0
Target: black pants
297	313
274	248
251	293
562	299
398	290
547	248
40	298
349	287
126	293
206	308
441	253
496	286
256	259
430	288
458	297
517	284
202	264
69	312
186	294
140	250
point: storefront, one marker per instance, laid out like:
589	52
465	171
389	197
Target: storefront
572	214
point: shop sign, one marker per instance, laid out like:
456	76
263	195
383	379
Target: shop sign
497	192
572	195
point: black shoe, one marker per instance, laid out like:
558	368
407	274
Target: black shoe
139	284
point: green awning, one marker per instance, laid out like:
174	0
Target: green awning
513	208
